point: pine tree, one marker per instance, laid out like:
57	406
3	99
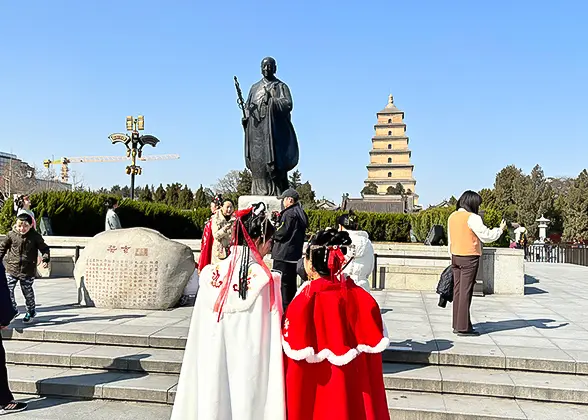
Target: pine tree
159	195
307	196
295	179
370	189
244	183
125	191
185	198
116	190
172	194
200	200
576	210
146	194
488	198
398	189
507	188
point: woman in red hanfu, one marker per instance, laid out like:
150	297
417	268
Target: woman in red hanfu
207	239
333	339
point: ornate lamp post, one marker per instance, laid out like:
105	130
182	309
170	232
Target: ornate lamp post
134	144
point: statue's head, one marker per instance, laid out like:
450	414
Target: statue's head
268	67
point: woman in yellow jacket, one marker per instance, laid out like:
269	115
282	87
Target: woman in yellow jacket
466	234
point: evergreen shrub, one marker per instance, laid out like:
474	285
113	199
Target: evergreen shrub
83	214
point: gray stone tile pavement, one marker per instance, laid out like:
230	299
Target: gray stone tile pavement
548	323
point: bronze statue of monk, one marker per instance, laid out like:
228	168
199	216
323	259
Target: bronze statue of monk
271	147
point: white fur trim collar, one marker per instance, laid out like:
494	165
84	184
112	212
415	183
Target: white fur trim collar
310	356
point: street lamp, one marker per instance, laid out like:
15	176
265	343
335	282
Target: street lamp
134	144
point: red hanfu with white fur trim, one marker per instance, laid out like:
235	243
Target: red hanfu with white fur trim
333	339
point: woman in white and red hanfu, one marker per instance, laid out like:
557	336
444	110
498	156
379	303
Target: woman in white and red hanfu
233	364
333	339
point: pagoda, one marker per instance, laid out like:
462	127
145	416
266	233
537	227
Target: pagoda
390	156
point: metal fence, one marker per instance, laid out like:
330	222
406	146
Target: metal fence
557	253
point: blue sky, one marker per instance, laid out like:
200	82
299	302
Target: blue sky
483	85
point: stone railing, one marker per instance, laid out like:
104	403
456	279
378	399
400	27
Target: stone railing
398	266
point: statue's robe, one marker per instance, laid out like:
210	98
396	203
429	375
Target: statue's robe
271	147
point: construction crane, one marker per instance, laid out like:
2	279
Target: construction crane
65	161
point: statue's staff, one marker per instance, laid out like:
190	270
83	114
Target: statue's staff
240	100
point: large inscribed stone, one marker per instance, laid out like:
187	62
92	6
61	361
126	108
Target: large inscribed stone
135	268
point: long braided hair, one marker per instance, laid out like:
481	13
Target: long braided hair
250	224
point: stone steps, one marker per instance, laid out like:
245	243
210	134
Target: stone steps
431	352
480	356
92	384
407	405
113	358
548	387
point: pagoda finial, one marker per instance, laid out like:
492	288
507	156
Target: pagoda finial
390	101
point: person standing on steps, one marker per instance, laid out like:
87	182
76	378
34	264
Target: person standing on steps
112	220
466	233
7	314
288	243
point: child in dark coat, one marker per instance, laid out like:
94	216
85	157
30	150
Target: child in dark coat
20	250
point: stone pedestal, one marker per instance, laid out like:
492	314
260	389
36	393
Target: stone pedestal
272	203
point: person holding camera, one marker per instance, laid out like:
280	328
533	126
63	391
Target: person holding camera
288	242
466	233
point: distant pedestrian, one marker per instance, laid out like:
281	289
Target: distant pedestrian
288	243
7	314
521	236
222	229
112	220
206	243
362	263
22	204
20	250
466	234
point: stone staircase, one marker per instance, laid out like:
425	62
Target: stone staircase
422	383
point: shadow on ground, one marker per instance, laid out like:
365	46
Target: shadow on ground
517	324
62	389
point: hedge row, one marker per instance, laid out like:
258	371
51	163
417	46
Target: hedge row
83	213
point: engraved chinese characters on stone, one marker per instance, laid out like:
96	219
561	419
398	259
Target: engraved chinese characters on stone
142	252
134	268
140	276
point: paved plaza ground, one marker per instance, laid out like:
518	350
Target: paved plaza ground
550	317
546	330
67	409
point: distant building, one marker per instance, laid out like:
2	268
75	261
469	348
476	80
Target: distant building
389	166
380	204
325	204
18	177
390	156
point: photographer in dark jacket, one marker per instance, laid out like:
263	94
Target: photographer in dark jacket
288	242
